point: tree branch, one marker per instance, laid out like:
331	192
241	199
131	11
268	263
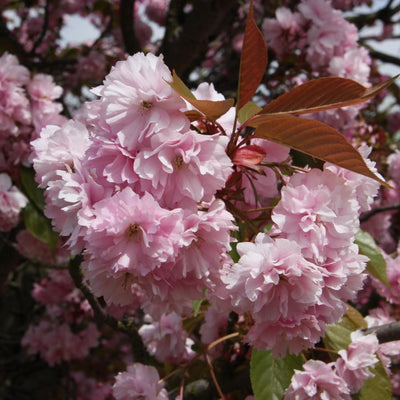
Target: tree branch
382	56
377	210
44	28
127	21
184	48
101	317
385	333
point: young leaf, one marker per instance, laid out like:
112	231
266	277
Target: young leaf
377	388
211	109
30	187
313	138
270	377
323	94
337	336
253	61
376	265
247	111
39	226
356	317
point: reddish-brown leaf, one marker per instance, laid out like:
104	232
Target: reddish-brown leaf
315	139
211	109
253	61
194	115
323	94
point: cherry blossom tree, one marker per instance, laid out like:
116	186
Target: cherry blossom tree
202	202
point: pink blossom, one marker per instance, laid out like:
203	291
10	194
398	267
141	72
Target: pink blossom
207	238
69	202
133	234
57	148
354	363
353	64
273	280
12	201
285	31
56	342
90	389
54	289
111	163
117	290
166	339
137	101
11	71
287	335
317	381
365	188
215	323
394	166
43	91
329	35
319	212
139	382
177	166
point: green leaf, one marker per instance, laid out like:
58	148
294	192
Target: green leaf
30	187
314	138
270	377
253	60
377	388
39	226
376	265
337	336
356	317
196	304
247	111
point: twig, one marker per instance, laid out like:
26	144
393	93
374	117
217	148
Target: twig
385	333
127	20
378	210
44	28
382	56
214	378
101	317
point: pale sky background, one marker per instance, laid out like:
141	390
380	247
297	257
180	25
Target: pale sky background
79	30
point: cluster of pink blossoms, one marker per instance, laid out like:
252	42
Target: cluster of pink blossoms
63	334
133	186
297	279
129	182
11	203
139	382
27	104
166	339
340	379
330	44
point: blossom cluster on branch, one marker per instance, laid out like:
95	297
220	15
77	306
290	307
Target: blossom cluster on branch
163	240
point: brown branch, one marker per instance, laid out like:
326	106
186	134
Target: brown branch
127	21
101	317
44	28
383	56
378	210
385	333
184	47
